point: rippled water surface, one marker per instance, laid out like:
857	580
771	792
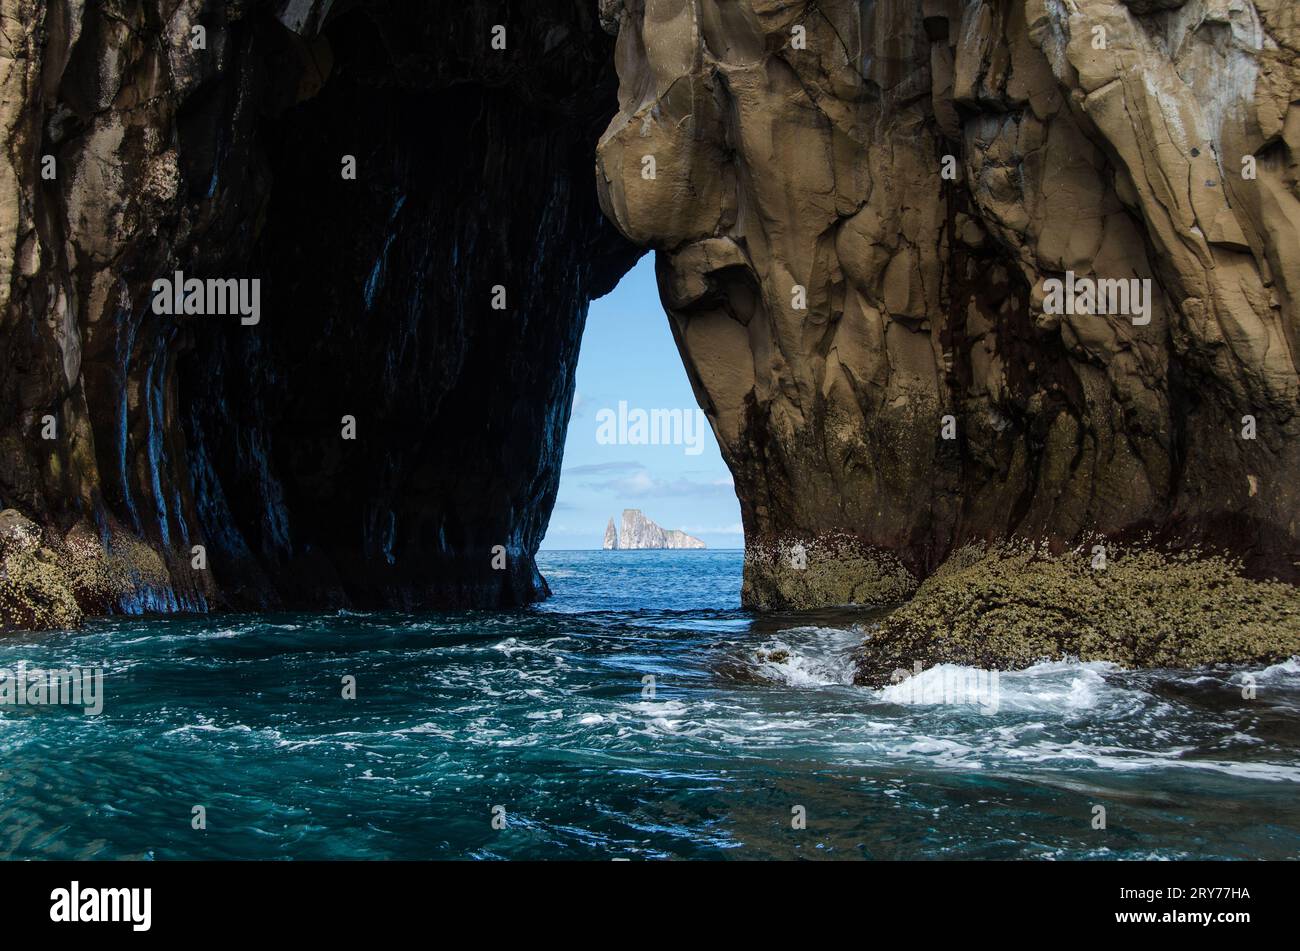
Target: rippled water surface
547	713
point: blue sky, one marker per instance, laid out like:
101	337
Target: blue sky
628	355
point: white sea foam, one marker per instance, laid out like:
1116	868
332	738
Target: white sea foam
1287	671
1060	687
512	645
809	657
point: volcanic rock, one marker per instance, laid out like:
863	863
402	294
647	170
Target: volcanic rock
386	175
855	209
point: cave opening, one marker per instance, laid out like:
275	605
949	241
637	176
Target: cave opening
430	244
416	208
636	437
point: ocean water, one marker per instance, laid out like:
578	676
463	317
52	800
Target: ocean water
543	719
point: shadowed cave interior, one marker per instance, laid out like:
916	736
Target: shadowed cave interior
474	172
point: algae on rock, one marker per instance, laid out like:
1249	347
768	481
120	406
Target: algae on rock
1010	606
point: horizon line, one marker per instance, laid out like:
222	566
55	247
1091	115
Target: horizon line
639	549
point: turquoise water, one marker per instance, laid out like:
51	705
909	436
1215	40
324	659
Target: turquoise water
544	712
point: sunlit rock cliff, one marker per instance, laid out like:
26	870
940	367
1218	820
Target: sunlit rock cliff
858	209
639	532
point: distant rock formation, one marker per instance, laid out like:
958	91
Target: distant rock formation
639	532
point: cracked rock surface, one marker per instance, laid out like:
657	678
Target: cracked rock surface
843	307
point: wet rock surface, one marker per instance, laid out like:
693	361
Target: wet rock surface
133	437
1013	606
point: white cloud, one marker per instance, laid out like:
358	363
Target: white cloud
635	481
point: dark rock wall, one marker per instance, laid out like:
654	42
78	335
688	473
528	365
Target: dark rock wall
473	170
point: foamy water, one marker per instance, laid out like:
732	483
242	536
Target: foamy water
638	714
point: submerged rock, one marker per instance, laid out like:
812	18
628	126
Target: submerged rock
1012	606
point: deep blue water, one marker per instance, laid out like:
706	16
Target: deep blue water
542	712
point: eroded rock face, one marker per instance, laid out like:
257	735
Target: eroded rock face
843	306
473	172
